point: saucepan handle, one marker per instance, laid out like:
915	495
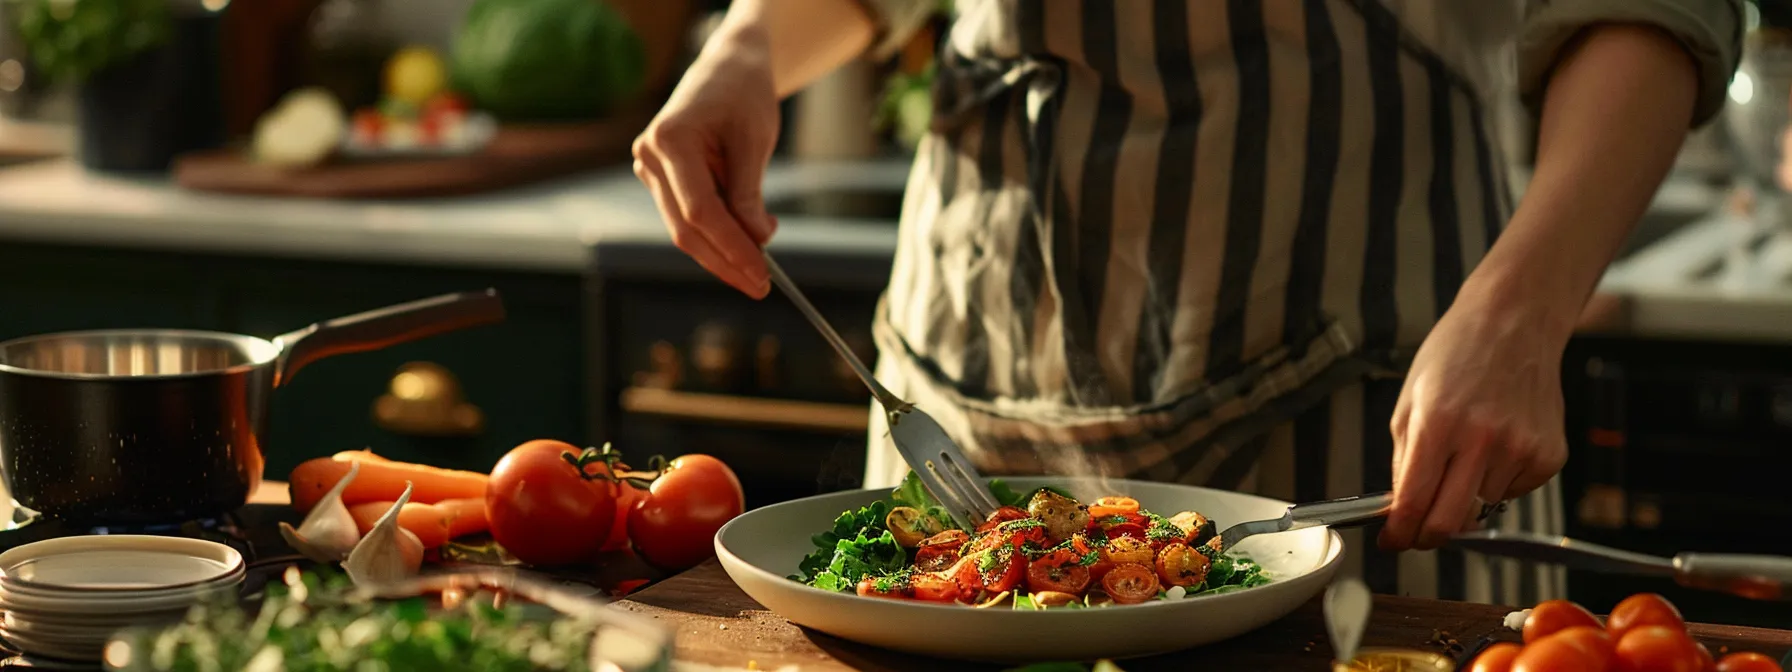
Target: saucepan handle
376	329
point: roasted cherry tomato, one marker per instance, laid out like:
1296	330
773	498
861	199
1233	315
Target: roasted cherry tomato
1002	515
1497	658
1113	506
1127	530
995	570
888	588
939	551
1553	616
988	541
1060	571
1130	583
1179	565
1747	662
1122	550
1640	610
1657	648
1572	650
929	587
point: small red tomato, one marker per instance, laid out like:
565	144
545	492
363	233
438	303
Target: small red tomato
1059	571
674	526
543	510
1130	583
1643	609
1573	650
1497	658
1127	530
1002	515
934	588
1747	662
368	124
1657	648
1554	616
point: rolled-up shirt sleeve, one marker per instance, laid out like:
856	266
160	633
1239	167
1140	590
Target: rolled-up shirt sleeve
897	21
1709	30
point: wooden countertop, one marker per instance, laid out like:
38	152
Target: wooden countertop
720	626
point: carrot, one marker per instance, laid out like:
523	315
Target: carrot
364	454
465	516
381	482
427	521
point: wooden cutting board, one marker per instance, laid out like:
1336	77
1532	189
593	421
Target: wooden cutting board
517	155
720	627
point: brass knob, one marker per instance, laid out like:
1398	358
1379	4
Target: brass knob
665	369
1602	506
425	399
765	365
716	354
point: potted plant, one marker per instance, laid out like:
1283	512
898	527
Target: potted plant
146	74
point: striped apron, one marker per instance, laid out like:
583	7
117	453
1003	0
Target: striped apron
1198	241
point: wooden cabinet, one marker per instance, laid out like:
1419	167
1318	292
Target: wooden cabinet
525	375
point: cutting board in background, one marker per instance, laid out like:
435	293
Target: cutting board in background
517	155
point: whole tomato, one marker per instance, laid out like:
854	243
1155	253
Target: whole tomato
674	527
1497	658
1553	616
1747	662
626	497
1576	649
1657	648
1643	609
547	510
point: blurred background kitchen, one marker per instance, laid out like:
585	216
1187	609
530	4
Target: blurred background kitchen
252	165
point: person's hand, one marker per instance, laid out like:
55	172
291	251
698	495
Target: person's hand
1480	416
704	157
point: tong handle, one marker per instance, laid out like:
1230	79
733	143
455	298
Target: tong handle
1346	512
890	402
1756	576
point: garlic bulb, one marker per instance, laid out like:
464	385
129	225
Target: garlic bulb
388	552
328	533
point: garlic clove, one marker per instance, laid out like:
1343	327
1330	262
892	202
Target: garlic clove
388	552
328	532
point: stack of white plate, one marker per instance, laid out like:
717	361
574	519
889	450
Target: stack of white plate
63	598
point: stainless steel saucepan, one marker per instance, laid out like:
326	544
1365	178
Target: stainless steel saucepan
149	426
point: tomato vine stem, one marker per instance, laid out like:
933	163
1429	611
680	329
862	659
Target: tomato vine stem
612	471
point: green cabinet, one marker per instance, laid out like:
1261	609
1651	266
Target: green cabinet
525	375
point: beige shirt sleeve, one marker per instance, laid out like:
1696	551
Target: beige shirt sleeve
897	21
1710	30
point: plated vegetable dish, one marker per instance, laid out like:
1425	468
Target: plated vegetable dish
1042	549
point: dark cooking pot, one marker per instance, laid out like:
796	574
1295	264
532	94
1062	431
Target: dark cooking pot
153	426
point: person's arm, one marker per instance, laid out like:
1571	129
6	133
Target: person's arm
811	38
1618	85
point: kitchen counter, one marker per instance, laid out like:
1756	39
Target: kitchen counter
540	228
721	628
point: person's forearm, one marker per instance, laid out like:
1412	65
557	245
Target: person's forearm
1616	112
807	38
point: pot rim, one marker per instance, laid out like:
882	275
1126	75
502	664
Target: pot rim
262	352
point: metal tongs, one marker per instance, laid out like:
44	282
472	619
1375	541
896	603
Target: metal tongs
1345	512
934	457
1756	577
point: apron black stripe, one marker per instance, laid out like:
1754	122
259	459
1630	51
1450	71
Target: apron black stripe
1491	219
1244	207
1306	268
1312	452
1446	232
1029	256
1095	212
1175	177
1381	569
975	375
1386	174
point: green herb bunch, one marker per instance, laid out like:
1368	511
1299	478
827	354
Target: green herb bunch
316	624
70	40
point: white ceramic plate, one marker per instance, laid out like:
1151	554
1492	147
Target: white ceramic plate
133	563
763	547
